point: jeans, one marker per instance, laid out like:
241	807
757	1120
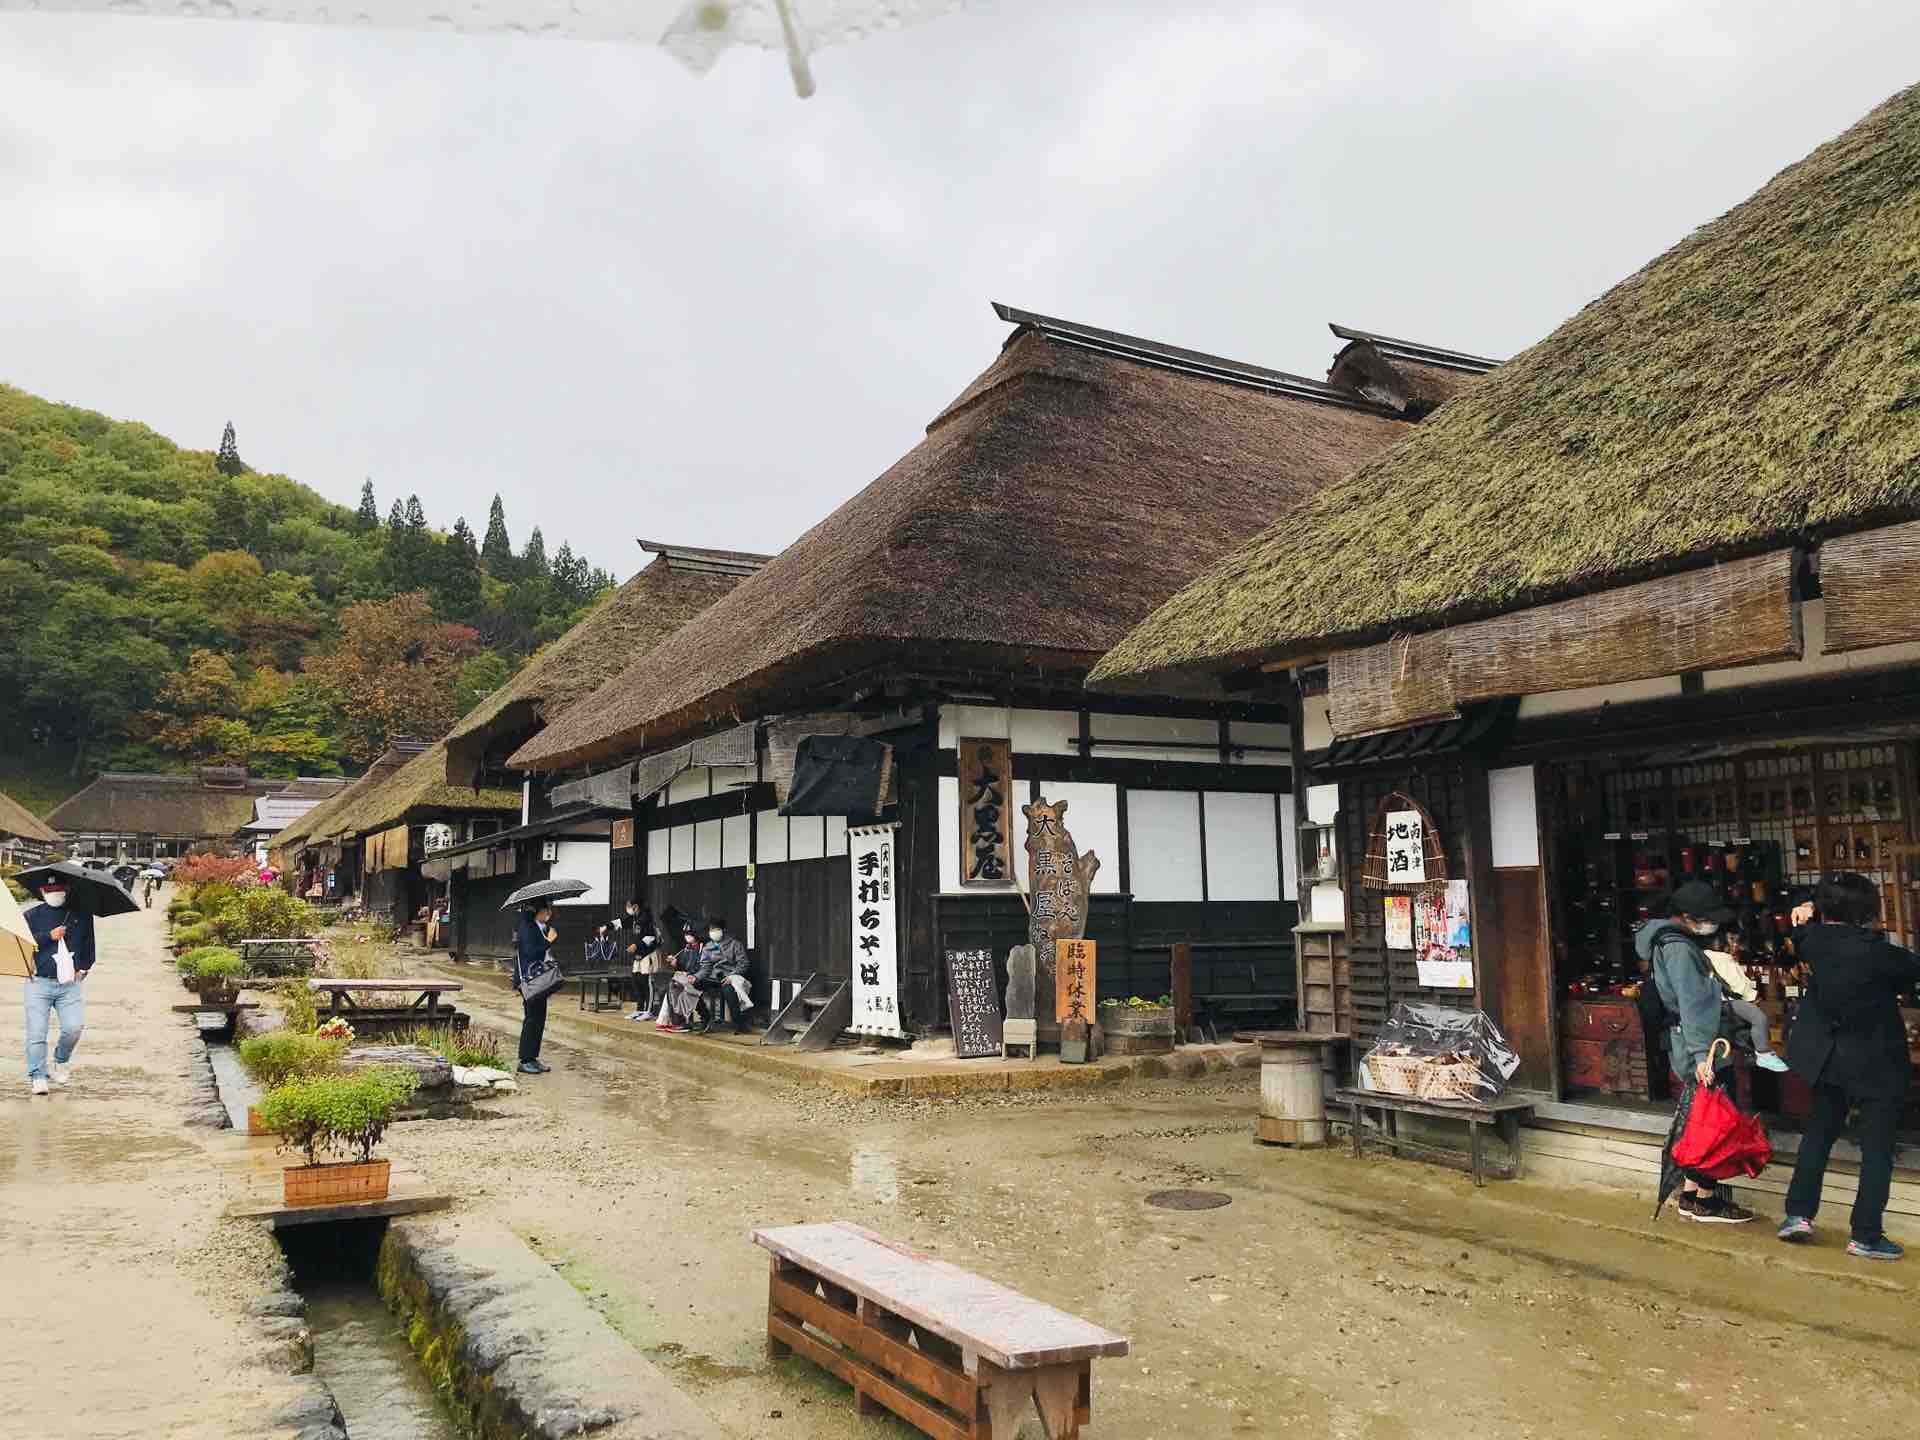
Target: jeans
46	997
1879	1119
533	1026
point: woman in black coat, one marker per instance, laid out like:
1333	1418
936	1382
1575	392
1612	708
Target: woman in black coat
530	946
1850	1045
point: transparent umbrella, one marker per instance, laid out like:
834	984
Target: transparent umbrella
695	32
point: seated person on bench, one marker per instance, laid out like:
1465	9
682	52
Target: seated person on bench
676	1006
723	970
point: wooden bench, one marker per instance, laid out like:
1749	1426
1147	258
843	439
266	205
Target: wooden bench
1504	1114
425	1008
274	956
946	1350
1209	1011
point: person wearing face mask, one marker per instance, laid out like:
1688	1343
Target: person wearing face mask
723	969
1690	990
62	960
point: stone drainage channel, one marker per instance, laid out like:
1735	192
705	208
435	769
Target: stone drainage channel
361	1352
450	1328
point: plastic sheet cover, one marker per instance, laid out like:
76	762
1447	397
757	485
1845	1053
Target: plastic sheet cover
1440	1054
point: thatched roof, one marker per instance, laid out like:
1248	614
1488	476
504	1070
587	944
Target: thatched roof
317	824
412	791
677	585
1073	486
16	819
1756	385
119	802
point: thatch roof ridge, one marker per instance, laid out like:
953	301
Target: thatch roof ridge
16	819
307	827
162	804
655	602
1047	509
1755	385
419	784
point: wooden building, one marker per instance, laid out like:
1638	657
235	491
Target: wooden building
24	836
125	815
963	595
1642	607
274	812
571	839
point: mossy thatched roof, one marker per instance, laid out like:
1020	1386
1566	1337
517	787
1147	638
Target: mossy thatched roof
1757	384
16	819
623	627
413	791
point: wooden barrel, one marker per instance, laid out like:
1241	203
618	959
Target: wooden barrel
1293	1109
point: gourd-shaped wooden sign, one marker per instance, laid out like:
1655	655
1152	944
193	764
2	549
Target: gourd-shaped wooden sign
1059	880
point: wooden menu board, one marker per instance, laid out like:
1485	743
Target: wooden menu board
973	1003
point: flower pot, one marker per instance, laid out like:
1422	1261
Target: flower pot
220	997
254	1127
337	1184
1138	1029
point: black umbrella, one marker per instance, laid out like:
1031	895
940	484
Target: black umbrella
546	890
93	891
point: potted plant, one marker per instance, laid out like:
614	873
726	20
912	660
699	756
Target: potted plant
1137	1026
212	972
336	1115
282	1055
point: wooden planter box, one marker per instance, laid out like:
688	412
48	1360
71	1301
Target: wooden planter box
337	1184
254	1127
219	997
1138	1029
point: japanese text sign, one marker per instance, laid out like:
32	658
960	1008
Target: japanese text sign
1406	848
973	1003
1076	965
986	822
876	961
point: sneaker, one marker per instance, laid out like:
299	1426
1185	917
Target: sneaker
667	1027
1771	1061
39	1086
60	1074
1881	1249
1795	1228
527	1067
1689	1205
1720	1210
543	1067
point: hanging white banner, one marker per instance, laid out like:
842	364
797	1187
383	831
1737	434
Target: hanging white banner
876	954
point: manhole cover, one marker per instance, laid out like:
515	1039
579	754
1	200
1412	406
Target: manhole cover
1189	1199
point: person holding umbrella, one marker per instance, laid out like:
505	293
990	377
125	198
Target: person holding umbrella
530	946
62	959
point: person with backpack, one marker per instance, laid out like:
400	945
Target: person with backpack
1693	998
1850	1045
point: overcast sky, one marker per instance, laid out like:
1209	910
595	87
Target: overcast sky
639	302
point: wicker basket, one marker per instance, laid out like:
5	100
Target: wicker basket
336	1184
1394	1074
1451	1081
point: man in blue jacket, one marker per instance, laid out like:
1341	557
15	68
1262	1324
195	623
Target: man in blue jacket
54	925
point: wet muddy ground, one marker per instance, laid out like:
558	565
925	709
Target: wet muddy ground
1332	1296
1367	1298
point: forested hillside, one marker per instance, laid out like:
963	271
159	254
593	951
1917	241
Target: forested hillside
165	607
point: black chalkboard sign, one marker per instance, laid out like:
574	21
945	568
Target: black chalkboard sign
973	1003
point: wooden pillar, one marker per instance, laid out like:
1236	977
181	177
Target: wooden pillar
1182	967
923	988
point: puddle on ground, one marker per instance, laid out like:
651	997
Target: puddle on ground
687	1364
359	1352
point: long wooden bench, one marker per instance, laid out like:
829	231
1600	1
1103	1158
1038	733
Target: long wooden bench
425	1008
1504	1114
944	1349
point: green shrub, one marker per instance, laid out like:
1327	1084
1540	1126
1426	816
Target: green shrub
198	933
212	897
298	1005
263	913
282	1055
336	1114
210	967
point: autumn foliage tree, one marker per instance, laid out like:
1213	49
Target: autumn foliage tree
394	673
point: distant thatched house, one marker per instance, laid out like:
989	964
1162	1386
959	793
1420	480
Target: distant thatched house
23	835
146	816
273	813
676	585
1073	486
1643	606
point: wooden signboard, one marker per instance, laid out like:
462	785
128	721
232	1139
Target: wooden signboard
973	1003
986	812
1076	965
623	835
1059	879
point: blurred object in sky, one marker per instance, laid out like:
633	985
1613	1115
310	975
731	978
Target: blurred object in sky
695	32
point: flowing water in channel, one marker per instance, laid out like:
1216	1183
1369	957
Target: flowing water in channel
360	1353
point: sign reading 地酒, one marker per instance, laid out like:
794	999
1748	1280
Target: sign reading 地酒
876	958
973	1003
986	817
1406	839
1075	969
